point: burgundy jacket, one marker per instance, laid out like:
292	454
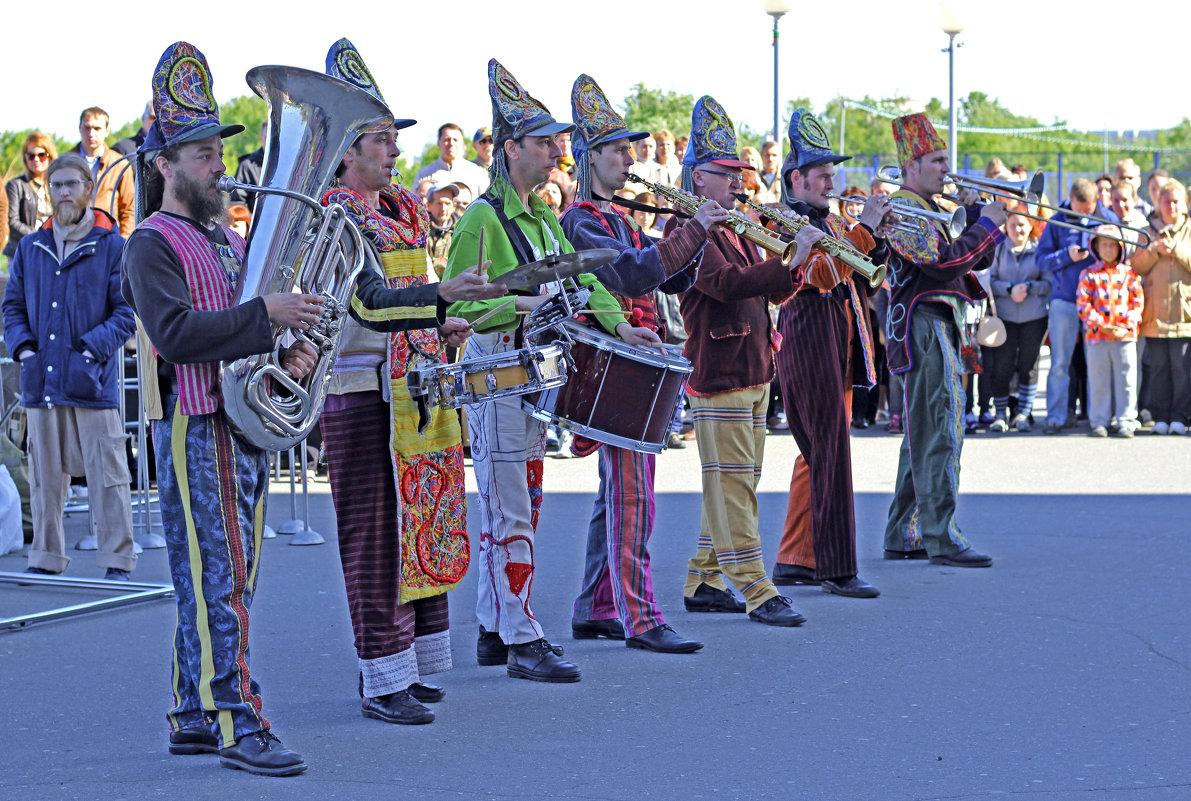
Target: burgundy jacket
726	313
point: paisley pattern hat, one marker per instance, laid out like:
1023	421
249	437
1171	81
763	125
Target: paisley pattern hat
345	63
713	137
182	100
809	146
915	137
596	121
515	112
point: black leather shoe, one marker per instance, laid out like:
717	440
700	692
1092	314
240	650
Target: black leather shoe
116	574
792	574
777	612
851	587
399	707
193	741
537	661
594	629
709	599
261	752
968	557
664	640
427	693
917	553
491	649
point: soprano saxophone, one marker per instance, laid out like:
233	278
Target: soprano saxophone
737	222
836	248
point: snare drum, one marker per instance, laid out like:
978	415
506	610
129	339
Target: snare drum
488	378
617	394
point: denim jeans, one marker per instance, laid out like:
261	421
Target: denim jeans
1064	333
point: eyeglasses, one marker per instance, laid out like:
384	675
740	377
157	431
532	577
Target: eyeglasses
733	178
59	186
485	141
39	154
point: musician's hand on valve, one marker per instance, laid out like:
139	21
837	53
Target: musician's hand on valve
710	214
969	196
299	360
888	225
637	337
874	211
996	213
455	331
293	310
471	284
804	242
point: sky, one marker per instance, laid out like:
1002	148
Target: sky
430	58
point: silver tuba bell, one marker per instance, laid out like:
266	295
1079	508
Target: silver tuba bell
297	244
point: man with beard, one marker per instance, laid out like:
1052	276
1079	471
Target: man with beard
66	323
931	285
826	349
180	271
616	600
507	445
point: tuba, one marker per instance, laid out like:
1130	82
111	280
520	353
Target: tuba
296	244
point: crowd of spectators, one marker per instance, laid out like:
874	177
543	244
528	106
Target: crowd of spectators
1034	285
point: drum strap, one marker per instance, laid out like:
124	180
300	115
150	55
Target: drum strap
521	248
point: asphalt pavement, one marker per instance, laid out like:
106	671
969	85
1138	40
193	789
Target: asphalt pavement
1063	672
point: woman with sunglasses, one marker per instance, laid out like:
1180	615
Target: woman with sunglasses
28	197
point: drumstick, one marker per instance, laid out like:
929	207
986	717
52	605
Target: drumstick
495	311
480	258
583	311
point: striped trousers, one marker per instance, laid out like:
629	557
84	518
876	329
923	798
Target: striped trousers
617	582
813	368
212	488
396	643
922	514
730	431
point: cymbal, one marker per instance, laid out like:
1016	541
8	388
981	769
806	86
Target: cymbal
564	265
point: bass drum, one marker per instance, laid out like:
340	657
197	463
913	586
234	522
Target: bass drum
617	394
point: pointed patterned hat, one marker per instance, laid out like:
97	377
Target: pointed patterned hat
809	146
713	137
345	63
596	121
515	112
915	137
182	100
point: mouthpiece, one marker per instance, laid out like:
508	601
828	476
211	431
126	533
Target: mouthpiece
741	196
225	183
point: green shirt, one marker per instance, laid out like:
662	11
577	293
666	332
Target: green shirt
545	235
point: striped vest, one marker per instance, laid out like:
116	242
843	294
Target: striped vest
210	290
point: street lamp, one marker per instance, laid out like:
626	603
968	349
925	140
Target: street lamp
775	9
952	27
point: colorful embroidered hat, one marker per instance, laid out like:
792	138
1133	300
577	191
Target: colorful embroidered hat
516	113
809	146
345	63
713	137
596	121
182	100
915	137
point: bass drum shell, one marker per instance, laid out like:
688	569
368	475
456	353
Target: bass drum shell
616	394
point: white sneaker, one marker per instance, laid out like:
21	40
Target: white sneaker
1160	428
1178	428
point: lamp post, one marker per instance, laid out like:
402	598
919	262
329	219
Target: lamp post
952	27
775	9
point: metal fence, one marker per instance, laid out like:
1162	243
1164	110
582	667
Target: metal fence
862	168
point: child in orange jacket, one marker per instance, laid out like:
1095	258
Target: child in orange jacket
1109	300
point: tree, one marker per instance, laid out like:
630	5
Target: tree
648	109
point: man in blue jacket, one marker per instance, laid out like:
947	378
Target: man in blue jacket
1063	254
66	321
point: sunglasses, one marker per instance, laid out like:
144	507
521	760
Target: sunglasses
40	154
485	141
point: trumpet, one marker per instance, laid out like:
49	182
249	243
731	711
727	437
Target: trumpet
953	222
1029	191
737	222
836	248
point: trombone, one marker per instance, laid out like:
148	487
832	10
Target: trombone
954	222
1029	192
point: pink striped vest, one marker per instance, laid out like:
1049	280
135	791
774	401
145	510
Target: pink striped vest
210	290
